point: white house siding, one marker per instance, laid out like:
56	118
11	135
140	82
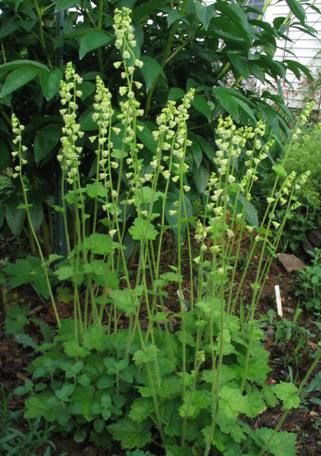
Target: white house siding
303	48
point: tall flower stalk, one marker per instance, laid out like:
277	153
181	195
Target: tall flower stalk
18	155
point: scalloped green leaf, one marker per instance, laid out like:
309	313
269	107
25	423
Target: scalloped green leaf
130	434
143	230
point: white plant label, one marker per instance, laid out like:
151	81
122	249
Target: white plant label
278	300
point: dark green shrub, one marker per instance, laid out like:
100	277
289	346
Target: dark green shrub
182	44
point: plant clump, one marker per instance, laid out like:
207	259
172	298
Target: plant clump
126	366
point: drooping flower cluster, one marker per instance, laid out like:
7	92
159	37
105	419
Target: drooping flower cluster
130	112
180	167
254	156
303	118
69	155
287	195
125	42
239	153
230	141
103	117
201	232
18	152
166	122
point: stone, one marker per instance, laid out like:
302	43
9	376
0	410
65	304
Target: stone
290	262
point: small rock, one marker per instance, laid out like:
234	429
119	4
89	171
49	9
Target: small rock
288	310
270	332
290	262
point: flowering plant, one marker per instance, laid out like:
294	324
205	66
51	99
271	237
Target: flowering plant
194	357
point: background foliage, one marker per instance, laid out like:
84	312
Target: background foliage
181	43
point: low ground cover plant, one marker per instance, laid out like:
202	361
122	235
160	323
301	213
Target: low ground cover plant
293	342
27	438
166	354
308	286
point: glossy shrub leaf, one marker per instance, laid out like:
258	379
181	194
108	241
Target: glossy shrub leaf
93	40
65	4
143	10
172	15
240	63
22	65
250	212
201	105
204	14
176	93
207	149
297	9
174	217
146	135
227	101
233	102
36	213
232	24
197	154
45	141
2	217
151	71
86	120
17	3
4	155
200	177
18	78
297	68
49	82
233	11
15	217
9	28
87	88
